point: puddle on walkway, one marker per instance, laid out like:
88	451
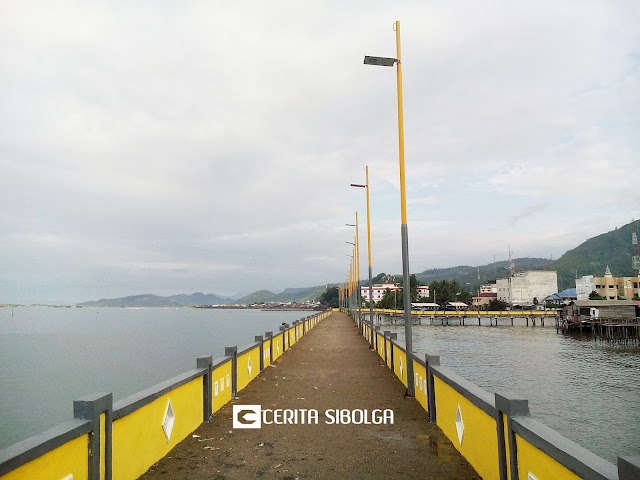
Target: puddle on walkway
437	445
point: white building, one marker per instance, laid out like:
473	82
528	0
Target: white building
489	288
523	287
379	289
487	293
584	286
423	291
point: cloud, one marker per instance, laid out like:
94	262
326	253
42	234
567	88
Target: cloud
210	146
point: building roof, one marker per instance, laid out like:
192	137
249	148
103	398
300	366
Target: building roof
458	304
425	305
602	303
568	293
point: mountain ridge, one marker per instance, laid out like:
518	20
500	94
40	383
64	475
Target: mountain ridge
591	257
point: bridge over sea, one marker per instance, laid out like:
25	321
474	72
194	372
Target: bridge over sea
328	404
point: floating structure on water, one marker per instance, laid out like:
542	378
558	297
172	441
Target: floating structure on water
617	320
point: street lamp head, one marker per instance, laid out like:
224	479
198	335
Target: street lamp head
350	243
358	185
382	61
350	225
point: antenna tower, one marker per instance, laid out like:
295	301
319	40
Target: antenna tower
512	267
635	259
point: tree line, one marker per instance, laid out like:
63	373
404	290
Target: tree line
440	292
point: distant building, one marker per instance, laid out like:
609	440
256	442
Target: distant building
582	310
425	307
565	296
616	288
379	289
584	286
457	306
489	288
423	291
487	293
523	287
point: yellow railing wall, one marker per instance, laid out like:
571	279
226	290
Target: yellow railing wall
380	345
103	445
532	459
420	374
278	345
506	444
266	353
248	367
479	442
470	313
220	386
138	438
67	459
400	364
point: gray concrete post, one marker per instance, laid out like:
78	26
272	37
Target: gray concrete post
206	362
431	361
629	468
233	353
511	405
90	407
259	338
386	339
370	293
406	297
376	341
392	336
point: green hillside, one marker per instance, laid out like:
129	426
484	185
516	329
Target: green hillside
288	295
199	298
592	257
470	278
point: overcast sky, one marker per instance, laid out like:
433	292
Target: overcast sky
179	146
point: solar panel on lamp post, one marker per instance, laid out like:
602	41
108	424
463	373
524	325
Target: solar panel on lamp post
406	289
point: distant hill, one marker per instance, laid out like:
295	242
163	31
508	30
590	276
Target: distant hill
589	258
288	295
471	278
133	301
200	298
592	257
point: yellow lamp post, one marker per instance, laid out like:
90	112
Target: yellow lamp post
356	269
366	186
406	290
357	253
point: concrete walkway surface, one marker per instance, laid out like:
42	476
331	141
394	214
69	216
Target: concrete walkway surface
331	367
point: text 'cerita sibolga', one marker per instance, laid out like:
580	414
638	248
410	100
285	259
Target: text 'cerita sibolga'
253	416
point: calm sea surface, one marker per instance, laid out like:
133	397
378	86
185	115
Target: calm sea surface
587	390
52	356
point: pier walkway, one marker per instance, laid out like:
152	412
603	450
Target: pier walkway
330	368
